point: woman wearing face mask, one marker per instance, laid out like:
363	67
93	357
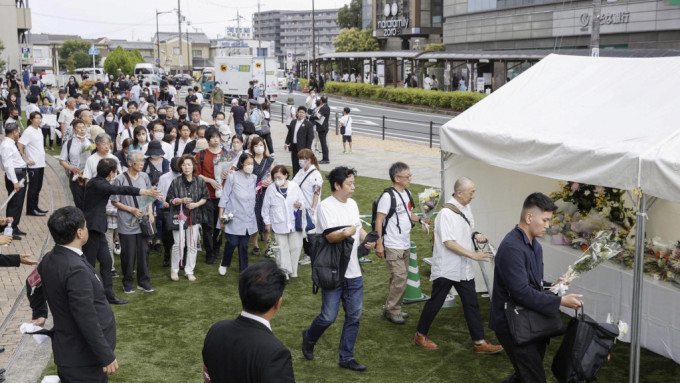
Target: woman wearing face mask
238	198
310	181
266	129
155	166
140	141
281	203
236	149
72	87
123	152
110	127
189	193
262	169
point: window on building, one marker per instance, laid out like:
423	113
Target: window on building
196	53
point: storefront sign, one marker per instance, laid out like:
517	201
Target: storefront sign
395	25
607	18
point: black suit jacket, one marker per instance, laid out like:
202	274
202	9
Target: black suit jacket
325	111
97	193
245	351
305	134
84	325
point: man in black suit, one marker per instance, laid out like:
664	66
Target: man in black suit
320	119
84	326
300	136
244	349
518	272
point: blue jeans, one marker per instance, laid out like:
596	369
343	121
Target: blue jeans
238	128
351	294
216	108
234	242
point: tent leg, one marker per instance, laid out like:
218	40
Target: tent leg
641	218
442	174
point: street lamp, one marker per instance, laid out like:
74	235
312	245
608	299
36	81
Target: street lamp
158	43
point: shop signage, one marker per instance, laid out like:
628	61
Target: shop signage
394	23
607	18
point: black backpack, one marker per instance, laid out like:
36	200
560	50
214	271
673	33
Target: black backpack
329	260
585	348
393	207
248	127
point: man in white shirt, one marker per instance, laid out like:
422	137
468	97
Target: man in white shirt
66	117
196	118
31	146
60	102
340	210
134	91
15	170
69	159
453	257
173	93
393	224
310	102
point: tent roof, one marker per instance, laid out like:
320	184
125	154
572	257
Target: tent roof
604	121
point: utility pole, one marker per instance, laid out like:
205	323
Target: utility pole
595	31
179	33
259	44
313	45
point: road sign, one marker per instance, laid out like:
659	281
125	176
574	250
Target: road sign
223	67
158	61
93	50
25	50
258	65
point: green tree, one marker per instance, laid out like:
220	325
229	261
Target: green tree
350	16
435	47
125	60
76	49
355	40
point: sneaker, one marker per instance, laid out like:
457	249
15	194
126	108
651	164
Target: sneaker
305	260
128	290
487	348
256	251
191	277
353	365
424	342
147	288
365	260
114	274
394	318
116	248
174	276
222	270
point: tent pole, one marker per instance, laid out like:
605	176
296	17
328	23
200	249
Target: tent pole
641	218
443	175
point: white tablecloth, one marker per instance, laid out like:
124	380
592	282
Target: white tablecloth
609	289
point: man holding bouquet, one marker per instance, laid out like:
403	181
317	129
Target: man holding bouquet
453	257
518	273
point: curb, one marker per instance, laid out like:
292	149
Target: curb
410	107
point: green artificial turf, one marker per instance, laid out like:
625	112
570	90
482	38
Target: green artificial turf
160	334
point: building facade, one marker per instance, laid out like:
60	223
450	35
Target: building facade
405	24
557	24
194	52
14	30
291	31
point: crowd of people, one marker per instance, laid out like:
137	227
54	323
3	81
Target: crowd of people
148	175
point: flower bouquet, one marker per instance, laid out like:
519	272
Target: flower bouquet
602	247
429	199
272	249
226	218
85	153
222	163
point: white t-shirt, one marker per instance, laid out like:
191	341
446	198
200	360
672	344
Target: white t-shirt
66	116
172	91
90	170
427	83
332	213
347	122
392	238
450	226
33	141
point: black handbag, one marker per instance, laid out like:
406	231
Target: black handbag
585	348
148	228
528	326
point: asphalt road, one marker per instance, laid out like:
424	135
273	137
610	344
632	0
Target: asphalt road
368	119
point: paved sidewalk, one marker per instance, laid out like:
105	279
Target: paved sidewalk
23	358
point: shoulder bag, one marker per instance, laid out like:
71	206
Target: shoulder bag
527	326
148	228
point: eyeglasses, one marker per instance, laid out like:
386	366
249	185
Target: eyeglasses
408	176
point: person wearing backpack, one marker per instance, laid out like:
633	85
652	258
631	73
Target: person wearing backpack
518	276
393	222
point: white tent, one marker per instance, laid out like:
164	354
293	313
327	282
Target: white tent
605	121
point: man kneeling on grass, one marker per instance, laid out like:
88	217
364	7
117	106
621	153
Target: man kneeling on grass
245	349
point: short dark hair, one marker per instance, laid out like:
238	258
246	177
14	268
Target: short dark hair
220	113
126	119
196	111
210	132
64	223
339	175
280	169
260	286
302	108
133	103
324	99
136	116
33	99
242	159
346	109
397	168
34	115
186	157
538	200
106	166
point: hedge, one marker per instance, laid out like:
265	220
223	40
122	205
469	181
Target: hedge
458	100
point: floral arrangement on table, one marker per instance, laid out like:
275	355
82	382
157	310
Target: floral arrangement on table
585	210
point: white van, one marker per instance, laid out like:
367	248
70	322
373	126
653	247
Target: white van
149	73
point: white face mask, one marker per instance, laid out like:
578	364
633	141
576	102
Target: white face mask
80	136
237	146
302	163
141	100
248	169
280	183
259	149
109	119
142	138
219	122
158	136
217	85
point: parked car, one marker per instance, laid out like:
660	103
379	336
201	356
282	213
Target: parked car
183	79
